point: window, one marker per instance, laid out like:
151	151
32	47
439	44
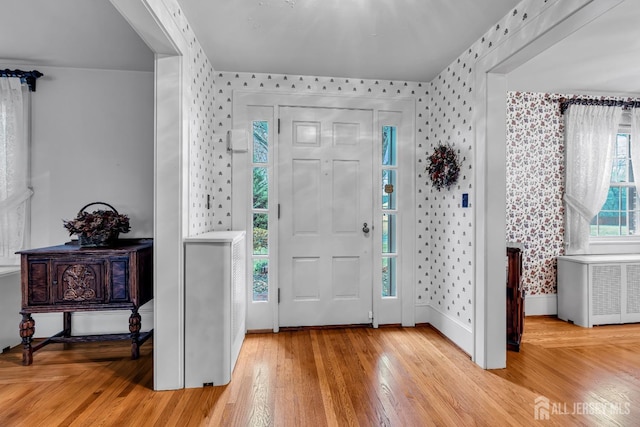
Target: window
389	211
620	214
260	210
14	168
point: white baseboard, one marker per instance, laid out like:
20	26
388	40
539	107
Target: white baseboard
422	314
540	305
456	331
89	323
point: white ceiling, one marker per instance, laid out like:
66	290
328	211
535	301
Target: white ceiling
411	40
601	58
70	33
388	39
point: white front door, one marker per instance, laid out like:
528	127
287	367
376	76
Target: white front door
325	198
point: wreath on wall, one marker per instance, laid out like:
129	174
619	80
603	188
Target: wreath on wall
444	167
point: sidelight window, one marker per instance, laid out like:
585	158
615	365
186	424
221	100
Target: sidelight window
260	211
389	211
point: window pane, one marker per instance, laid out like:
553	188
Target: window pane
633	211
260	234
609	223
389	145
613	200
388	234
389	189
631	177
260	142
260	280
593	229
260	188
622	146
388	277
619	170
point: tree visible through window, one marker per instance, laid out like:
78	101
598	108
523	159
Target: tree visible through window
260	224
620	214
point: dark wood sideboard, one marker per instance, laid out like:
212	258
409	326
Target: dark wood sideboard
515	299
69	278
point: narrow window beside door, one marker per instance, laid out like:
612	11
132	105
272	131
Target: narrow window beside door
260	210
389	211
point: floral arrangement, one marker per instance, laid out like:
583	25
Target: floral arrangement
98	228
443	167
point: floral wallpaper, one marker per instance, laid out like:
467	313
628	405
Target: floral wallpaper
535	185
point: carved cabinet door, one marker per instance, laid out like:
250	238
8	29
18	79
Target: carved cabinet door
77	281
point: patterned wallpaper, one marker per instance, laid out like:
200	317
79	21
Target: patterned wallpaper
205	171
535	185
226	82
444	271
450	245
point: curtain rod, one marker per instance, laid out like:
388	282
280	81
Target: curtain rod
28	77
626	105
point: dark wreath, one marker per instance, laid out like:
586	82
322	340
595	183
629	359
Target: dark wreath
444	167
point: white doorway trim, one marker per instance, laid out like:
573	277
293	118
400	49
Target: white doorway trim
152	20
264	316
553	24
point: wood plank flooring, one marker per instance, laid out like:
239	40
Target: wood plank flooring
341	377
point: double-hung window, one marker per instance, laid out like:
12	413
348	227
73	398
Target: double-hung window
620	214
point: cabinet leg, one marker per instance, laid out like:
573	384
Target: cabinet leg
135	323
27	329
66	327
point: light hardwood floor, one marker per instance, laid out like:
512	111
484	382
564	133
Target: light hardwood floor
341	377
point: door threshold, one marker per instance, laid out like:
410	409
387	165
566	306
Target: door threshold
321	327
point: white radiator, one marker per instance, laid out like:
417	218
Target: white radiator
215	306
599	289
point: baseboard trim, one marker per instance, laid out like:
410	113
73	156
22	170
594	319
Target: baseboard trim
540	305
422	314
460	334
92	323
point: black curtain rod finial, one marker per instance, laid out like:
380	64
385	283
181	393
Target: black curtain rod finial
28	77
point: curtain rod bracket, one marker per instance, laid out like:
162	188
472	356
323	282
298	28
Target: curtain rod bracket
28	77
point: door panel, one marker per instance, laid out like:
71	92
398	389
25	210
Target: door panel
345	191
306	197
325	195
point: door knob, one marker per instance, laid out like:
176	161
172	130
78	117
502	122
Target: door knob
365	229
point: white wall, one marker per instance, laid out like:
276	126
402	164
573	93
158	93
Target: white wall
9	307
92	140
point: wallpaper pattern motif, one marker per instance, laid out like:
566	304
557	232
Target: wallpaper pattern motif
444	231
227	82
203	167
449	227
535	185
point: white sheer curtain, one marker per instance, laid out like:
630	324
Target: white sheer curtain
14	155
635	146
589	148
